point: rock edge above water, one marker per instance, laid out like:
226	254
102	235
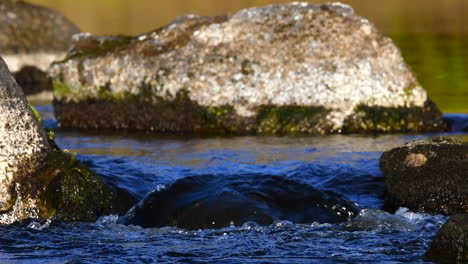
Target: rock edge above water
295	68
217	201
37	179
427	175
450	246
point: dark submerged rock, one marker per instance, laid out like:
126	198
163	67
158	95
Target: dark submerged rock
211	201
33	80
31	37
428	175
295	68
450	245
39	180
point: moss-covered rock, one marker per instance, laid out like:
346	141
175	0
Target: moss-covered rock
182	115
72	192
295	68
378	119
31	37
428	175
37	179
450	245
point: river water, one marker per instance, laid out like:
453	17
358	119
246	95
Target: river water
432	36
141	163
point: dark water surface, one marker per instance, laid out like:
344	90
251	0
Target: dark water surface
345	164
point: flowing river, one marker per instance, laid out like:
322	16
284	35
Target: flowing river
345	164
348	165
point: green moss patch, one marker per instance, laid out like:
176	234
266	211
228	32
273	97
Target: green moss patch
61	89
36	113
377	119
223	120
291	120
180	114
72	192
95	47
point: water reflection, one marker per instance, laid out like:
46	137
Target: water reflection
440	62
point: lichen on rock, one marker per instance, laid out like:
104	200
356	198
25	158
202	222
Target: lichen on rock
291	56
37	179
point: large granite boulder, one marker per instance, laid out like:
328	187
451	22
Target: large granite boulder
450	246
429	175
31	37
37	179
295	68
215	201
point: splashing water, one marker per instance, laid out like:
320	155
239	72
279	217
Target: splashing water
347	165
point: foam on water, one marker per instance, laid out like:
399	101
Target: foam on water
348	165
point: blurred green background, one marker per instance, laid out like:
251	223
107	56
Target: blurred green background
433	35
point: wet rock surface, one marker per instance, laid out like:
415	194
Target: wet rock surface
451	243
295	68
32	36
211	201
24	145
427	175
37	179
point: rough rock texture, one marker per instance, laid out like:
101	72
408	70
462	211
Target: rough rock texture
24	145
37	179
214	201
295	68
31	35
450	246
429	175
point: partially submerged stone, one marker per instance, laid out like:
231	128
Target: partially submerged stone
429	175
295	68
31	37
216	201
450	245
37	179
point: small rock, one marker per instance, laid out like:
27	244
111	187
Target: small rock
428	175
210	201
450	245
33	80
